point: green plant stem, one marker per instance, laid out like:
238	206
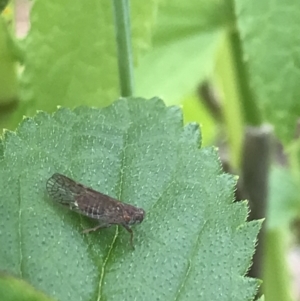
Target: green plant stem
249	106
250	109
124	47
276	285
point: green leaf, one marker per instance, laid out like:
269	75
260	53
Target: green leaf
194	242
71	52
273	59
12	289
8	76
284	203
143	17
3	4
194	110
187	36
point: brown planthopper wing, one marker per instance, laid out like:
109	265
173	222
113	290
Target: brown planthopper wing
85	200
62	189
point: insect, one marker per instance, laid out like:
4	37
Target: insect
84	200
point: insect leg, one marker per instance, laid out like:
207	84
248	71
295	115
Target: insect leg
131	233
96	228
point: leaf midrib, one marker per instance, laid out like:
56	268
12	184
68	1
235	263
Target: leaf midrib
121	184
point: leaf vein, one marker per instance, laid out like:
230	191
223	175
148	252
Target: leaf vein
20	233
117	231
190	260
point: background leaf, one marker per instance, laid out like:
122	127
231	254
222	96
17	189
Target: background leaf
8	76
185	41
194	242
273	58
284	199
13	289
70	54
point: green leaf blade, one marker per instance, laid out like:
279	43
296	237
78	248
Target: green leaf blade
193	241
71	56
274	67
